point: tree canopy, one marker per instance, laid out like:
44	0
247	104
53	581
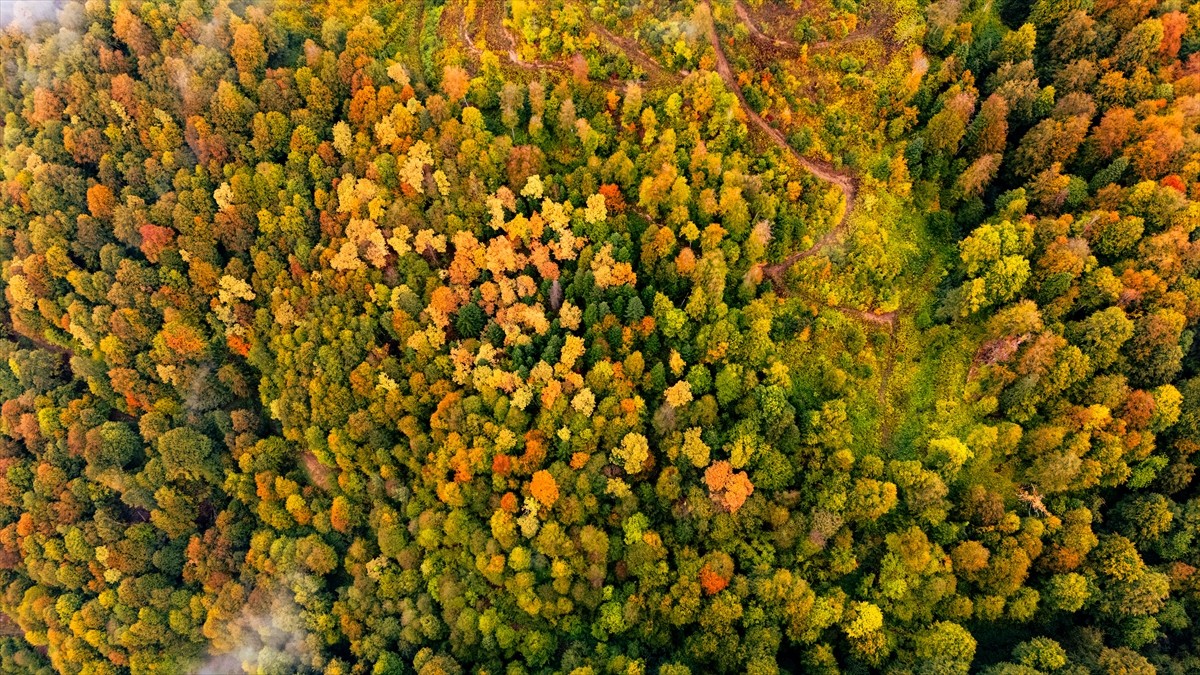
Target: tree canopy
592	337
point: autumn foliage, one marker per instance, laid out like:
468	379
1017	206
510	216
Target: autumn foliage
555	337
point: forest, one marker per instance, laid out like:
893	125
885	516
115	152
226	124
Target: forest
640	337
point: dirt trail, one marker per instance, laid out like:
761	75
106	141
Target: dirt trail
844	180
883	319
491	16
873	29
757	35
654	70
490	20
464	35
39	342
495	12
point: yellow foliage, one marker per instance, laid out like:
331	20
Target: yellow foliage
609	272
679	394
633	453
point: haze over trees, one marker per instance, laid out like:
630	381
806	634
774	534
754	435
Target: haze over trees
642	337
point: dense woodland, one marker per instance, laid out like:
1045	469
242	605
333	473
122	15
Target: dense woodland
635	336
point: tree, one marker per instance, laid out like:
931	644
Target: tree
111	445
1041	653
511	101
248	53
1144	518
1154	348
1066	592
979	174
1124	660
1139	45
544	488
945	648
231	110
988	133
633	452
455	82
187	455
1018	45
1102	335
1048	13
1051	141
949	126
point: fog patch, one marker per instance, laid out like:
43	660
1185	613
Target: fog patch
269	634
28	14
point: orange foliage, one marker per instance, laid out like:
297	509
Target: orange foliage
728	488
544	488
717	475
1174	24
1138	409
455	82
339	514
737	491
1155	153
443	303
464	460
628	406
238	344
182	340
155	240
1060	559
685	262
363	109
613	200
1175	183
716	572
25	524
101	201
46	106
446	409
1114	130
535	449
501	465
711	581
1180	574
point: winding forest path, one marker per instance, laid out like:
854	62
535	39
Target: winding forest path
498	36
39	342
653	69
844	180
492	17
464	34
757	35
873	29
884	320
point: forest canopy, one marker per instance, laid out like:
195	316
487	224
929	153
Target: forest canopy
594	336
